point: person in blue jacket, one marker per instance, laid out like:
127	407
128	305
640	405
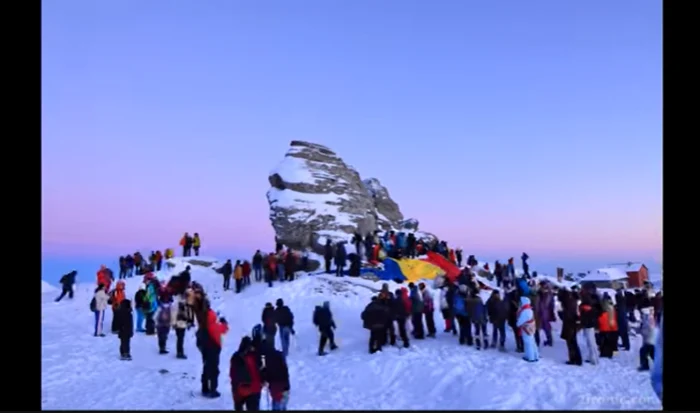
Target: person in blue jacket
460	311
657	372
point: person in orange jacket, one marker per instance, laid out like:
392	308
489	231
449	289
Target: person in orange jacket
115	299
104	278
607	325
238	276
270	268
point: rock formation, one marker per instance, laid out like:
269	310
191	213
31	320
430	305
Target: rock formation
315	196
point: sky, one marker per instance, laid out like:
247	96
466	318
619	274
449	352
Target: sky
502	125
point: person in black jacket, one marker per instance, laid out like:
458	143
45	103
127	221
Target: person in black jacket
226	270
622	320
569	327
124	321
257	265
375	318
328	255
67	282
340	258
323	319
369	246
284	318
497	310
269	324
513	306
276	374
589	311
399	313
185	278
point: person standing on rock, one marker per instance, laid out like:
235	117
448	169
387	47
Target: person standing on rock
328	255
196	244
340	258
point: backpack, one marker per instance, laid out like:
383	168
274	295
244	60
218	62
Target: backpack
93	305
257	332
460	305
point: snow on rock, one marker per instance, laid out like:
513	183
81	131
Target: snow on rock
81	372
315	196
47	288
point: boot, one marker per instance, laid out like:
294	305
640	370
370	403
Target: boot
205	388
478	344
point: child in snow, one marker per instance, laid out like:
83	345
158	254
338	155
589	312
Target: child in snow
163	326
648	334
526	328
607	325
98	306
124	322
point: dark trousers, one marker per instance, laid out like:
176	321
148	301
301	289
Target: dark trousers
185	252
163	338
339	270
289	275
573	350
377	338
417	321
608	344
498	334
239	285
645	353
122	273
465	330
150	324
227	282
250	403
246	279
402	331
430	323
326	336
64	291
623	333
210	369
389	333
159	264
124	346
258	273
180	342
328	266
450	324
196	251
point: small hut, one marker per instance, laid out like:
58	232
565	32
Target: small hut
606	278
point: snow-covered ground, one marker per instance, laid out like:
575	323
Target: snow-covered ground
80	371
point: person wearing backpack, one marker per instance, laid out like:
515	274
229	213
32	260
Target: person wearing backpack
142	306
98	305
163	322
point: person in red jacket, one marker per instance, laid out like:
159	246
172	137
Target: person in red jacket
246	377
209	342
246	272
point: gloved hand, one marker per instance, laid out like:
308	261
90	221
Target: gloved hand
292	330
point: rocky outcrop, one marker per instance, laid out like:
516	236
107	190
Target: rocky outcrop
315	196
410	224
388	213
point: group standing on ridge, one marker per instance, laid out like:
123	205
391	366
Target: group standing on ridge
523	303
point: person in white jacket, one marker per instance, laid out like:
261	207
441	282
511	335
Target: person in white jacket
101	300
649	333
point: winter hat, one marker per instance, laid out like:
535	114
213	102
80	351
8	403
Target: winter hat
279	302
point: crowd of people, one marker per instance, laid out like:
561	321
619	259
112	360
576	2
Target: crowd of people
526	307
